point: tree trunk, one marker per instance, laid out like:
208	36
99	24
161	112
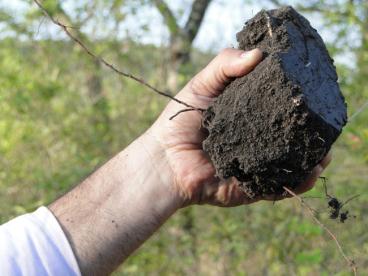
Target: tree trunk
179	50
181	38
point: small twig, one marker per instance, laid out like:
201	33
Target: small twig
350	262
324	179
110	65
66	26
346	201
303	197
39	26
361	109
182	111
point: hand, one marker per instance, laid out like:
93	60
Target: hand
193	174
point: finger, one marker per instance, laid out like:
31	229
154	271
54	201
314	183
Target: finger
229	194
327	160
317	171
222	193
311	180
230	63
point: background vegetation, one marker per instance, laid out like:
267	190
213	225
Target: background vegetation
62	115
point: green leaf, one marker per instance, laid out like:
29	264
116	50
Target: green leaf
309	257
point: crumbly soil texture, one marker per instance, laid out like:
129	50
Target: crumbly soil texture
270	128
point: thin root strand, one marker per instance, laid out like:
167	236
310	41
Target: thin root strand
350	262
186	110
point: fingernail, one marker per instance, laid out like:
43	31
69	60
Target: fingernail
319	169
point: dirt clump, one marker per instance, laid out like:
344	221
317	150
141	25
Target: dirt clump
270	128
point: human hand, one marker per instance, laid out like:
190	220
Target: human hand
192	173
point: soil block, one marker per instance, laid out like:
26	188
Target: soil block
270	128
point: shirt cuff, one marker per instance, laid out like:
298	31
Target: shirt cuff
35	244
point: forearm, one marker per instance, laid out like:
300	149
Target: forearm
118	207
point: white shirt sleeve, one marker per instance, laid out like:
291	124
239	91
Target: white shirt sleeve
35	245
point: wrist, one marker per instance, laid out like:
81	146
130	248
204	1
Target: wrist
152	163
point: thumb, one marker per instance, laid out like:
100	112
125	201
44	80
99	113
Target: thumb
230	63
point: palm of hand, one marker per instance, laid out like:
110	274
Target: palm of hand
194	173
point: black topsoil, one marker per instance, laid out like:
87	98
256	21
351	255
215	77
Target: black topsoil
270	128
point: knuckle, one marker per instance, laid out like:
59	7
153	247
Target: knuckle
220	74
197	85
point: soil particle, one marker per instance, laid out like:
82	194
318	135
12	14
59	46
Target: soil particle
335	206
271	127
344	216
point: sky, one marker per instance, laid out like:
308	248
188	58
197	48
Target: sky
222	21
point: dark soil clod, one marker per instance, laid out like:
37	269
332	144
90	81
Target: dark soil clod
271	127
335	206
344	216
